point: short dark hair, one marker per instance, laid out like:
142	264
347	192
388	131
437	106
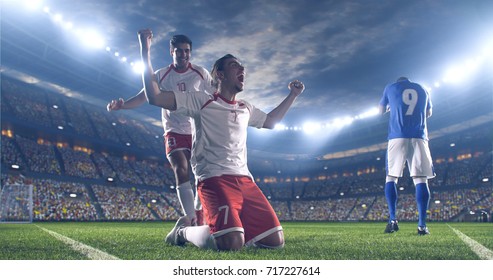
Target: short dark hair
402	79
179	39
219	66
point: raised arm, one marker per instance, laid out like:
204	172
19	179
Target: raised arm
277	114
132	102
154	95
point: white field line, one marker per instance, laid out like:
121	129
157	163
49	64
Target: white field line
482	252
90	252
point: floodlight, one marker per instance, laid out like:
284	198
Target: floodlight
91	38
453	75
32	4
311	127
57	17
137	67
279	126
340	122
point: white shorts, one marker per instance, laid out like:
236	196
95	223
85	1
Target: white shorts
415	152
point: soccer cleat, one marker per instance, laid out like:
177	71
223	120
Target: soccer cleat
173	237
423	231
391	227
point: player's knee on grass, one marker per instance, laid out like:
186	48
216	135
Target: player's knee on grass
272	241
231	241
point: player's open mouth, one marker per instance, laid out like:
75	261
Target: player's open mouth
241	78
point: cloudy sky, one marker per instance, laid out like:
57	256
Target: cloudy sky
344	51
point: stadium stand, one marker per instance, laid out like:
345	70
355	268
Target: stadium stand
87	165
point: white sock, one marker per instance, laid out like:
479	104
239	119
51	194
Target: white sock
185	195
200	236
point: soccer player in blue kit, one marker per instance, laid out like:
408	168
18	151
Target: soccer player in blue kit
409	105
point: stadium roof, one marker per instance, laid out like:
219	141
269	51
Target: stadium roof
345	52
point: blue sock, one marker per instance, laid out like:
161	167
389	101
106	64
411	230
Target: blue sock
423	200
391	196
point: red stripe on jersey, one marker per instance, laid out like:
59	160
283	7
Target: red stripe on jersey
196	71
210	100
166	74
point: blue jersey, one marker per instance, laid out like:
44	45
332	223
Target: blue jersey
408	103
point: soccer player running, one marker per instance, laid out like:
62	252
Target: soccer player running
237	211
181	76
409	105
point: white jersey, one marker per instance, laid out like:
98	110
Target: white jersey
219	139
194	78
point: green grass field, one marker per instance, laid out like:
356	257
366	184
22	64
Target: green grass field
304	241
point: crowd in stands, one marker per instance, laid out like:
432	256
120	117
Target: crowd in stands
94	176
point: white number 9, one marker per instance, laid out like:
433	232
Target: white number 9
410	98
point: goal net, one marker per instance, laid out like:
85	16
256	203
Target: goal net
16	203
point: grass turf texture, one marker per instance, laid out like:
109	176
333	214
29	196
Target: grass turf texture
304	241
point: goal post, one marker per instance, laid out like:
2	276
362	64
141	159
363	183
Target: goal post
16	203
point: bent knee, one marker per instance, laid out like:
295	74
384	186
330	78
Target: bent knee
231	241
272	241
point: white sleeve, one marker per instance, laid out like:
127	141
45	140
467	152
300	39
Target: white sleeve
257	116
191	102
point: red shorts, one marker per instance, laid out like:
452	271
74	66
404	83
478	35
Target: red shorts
174	141
236	203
